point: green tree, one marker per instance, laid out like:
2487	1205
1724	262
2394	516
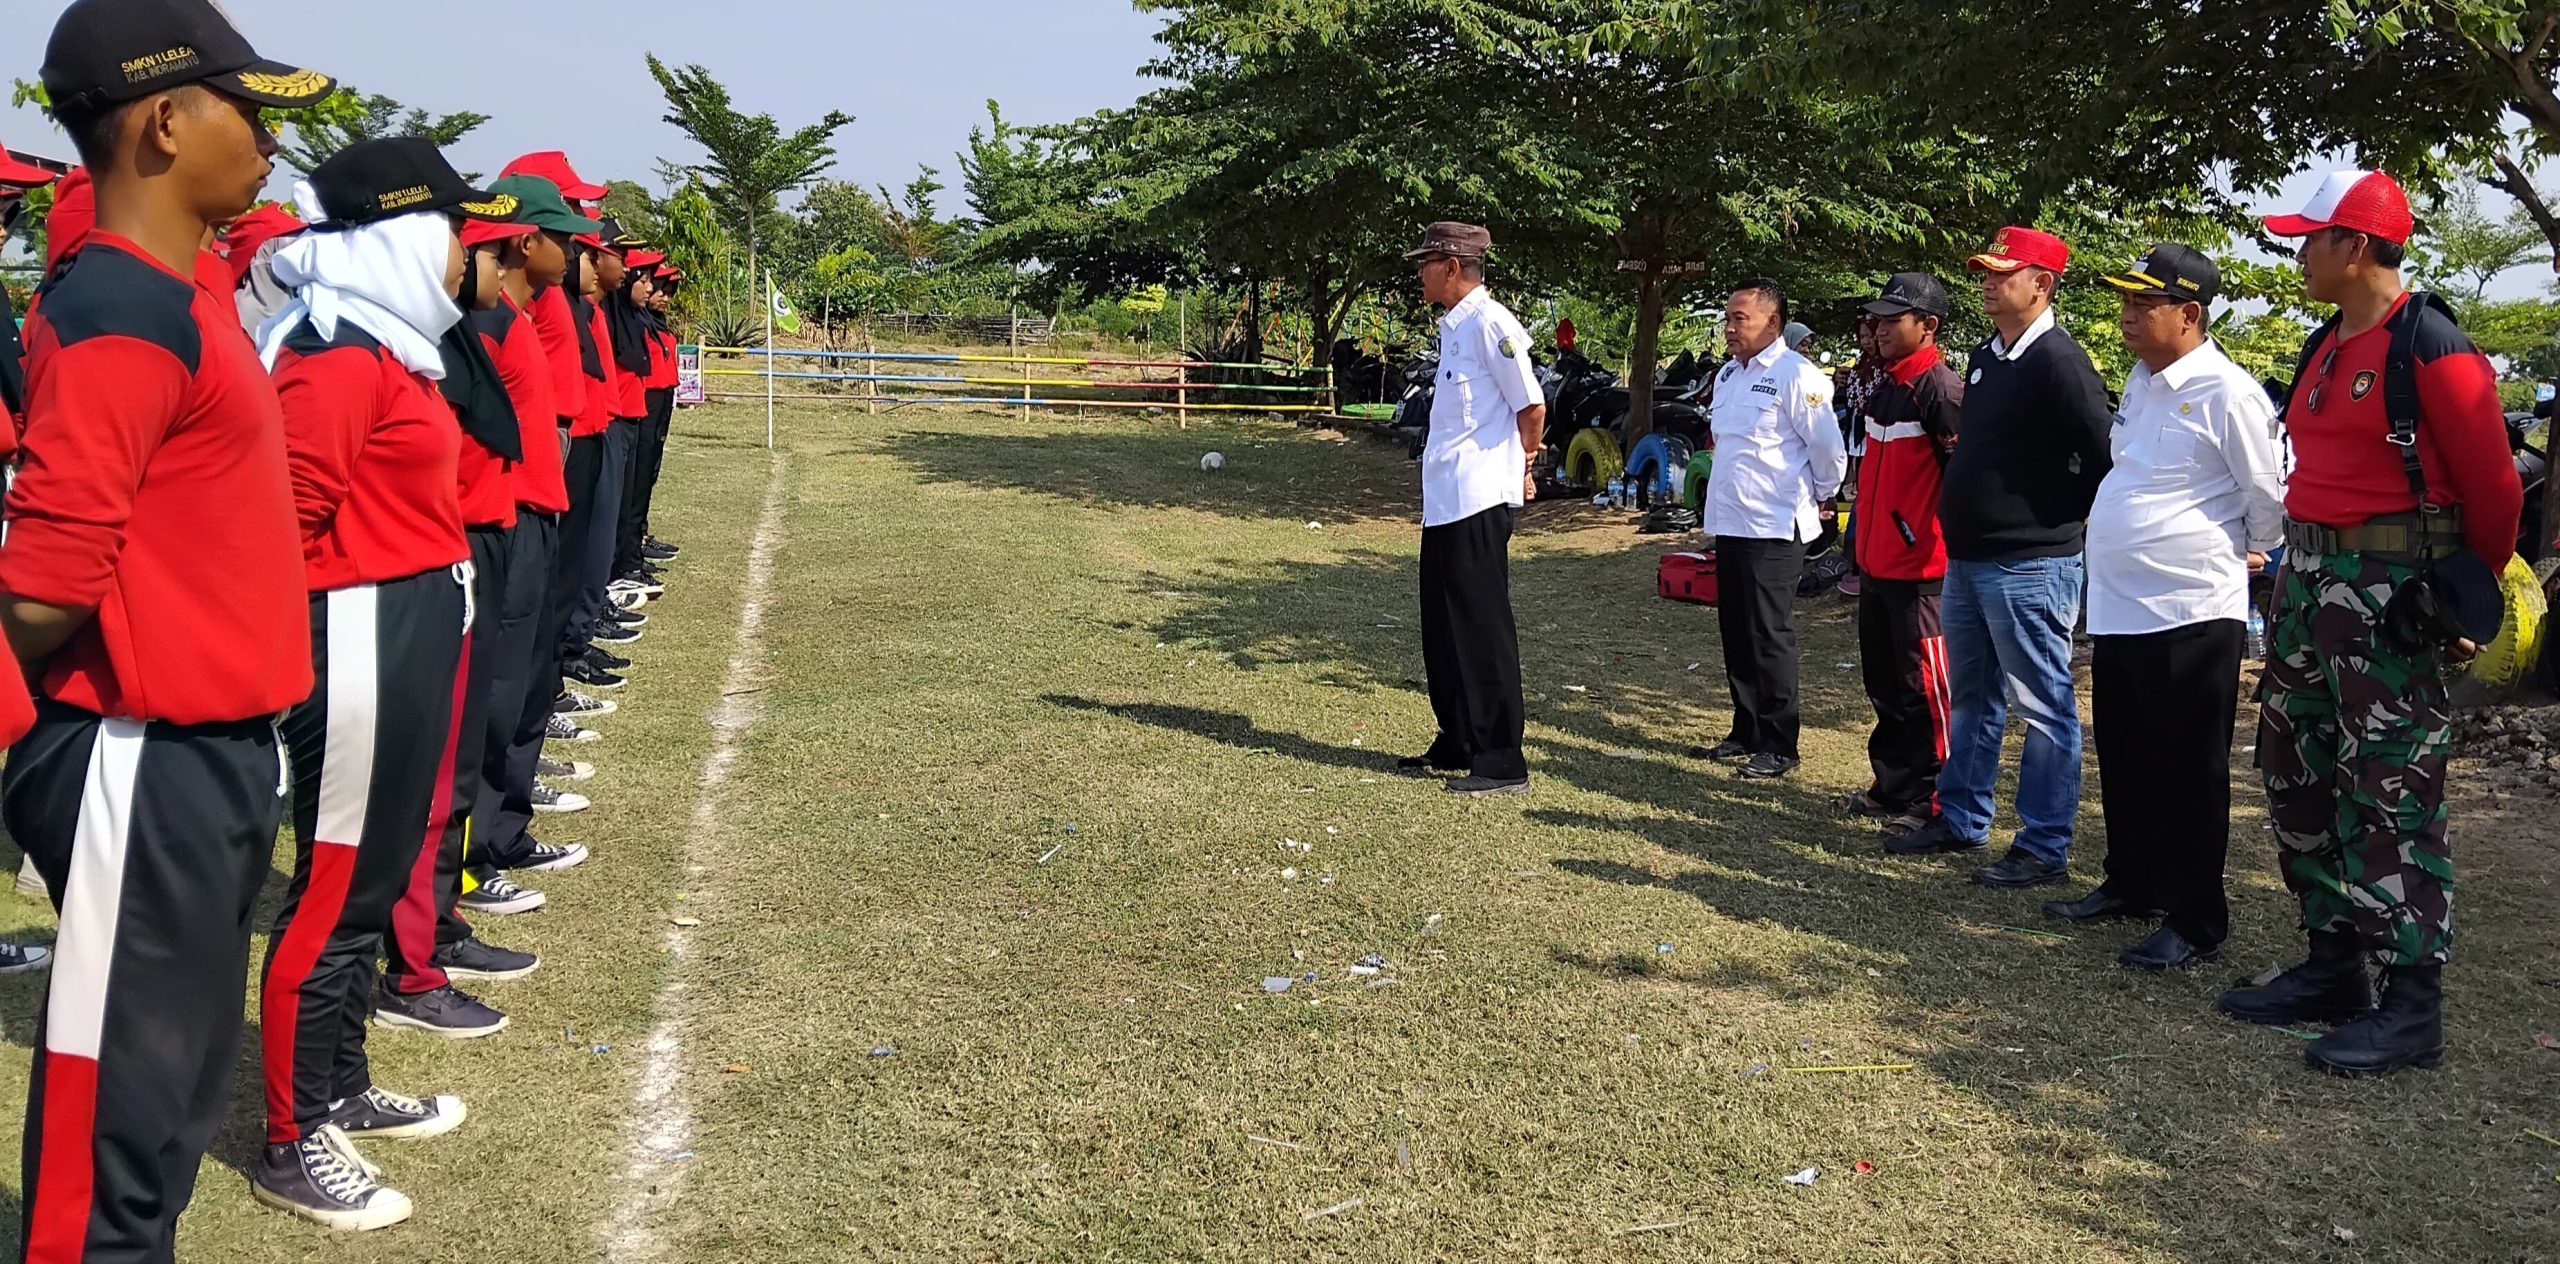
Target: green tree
632	205
750	161
348	116
2462	250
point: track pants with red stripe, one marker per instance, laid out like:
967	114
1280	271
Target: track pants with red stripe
367	751
1904	655
435	878
155	839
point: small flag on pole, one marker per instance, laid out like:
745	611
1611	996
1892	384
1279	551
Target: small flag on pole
785	317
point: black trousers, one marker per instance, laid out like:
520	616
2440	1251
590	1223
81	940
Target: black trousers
662	416
155	839
368	750
582	466
648	448
435	879
529	679
2165	704
1756	616
1904	654
1471	648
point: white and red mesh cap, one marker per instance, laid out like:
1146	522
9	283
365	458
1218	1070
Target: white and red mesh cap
2365	201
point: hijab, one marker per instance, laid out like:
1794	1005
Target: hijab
385	277
581	312
471	382
622	319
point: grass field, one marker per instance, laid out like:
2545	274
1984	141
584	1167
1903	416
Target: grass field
1005	786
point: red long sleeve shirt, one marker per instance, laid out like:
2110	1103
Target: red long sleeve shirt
2346	470
373	450
604	394
485	484
630	390
524	368
154	492
558	330
662	361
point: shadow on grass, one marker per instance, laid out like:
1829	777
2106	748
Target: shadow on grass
1292	478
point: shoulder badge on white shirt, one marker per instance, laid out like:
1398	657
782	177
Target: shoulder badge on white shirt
1510	348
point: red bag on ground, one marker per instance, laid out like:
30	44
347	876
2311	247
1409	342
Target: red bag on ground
1688	577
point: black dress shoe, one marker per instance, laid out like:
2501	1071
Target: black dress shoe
2096	906
1936	836
2166	950
1489	787
1725	752
2020	869
1766	767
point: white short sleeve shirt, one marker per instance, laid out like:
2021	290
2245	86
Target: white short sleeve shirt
1474	460
1779	448
2198	484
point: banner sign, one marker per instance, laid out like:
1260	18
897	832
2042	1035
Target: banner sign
688	374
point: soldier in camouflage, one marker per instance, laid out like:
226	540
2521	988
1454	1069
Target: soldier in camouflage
2354	721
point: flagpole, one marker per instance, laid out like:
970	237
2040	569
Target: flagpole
768	359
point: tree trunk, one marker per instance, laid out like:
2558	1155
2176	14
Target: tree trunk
1645	348
2513	181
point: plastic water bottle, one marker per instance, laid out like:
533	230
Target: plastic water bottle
1617	493
2257	632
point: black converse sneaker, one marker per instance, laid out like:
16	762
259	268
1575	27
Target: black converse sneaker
503	898
546	799
551	857
484	963
385	1115
551	769
323	1179
24	958
447	1012
578	706
561	728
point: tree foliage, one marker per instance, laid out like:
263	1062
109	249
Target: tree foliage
347	116
750	161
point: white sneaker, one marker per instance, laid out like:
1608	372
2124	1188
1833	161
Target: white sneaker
546	799
325	1180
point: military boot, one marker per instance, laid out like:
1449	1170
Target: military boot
2329	988
2408	1030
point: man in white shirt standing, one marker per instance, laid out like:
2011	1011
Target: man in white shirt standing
1779	454
2188	511
1488	417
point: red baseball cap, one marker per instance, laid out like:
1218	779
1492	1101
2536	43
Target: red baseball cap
22	175
74	216
2366	201
2014	248
241	241
552	165
476	232
644	259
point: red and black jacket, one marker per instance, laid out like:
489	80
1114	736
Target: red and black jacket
153	492
524	369
1911	421
374	450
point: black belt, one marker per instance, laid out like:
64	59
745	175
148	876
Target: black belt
2430	536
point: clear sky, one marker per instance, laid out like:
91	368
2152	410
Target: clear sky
570	74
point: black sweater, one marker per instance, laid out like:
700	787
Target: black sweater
2033	451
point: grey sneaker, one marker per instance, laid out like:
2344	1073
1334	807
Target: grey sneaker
323	1179
470	959
388	1116
561	728
447	1012
23	958
546	799
502	898
563	769
549	857
578	706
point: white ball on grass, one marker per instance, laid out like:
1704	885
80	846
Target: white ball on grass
1213	463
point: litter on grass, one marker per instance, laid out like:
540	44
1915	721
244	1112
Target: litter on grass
601	1049
1404	1156
1431	924
1277	983
686	921
1805	1177
735	1068
1577	688
1755	1070
681	1156
1863	1168
1046	855
2299	1034
2033	933
2545	1040
1337	1209
1662	950
884	1051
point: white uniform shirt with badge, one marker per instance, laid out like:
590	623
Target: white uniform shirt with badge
1779	448
1474	460
2198	485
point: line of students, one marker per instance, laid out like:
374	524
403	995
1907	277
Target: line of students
309	516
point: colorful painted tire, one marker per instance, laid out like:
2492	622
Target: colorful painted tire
1593	459
1693	484
1656	462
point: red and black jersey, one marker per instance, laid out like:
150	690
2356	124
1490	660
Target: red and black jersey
1910	417
662	360
604	388
373	449
555	322
2346	469
154	492
524	368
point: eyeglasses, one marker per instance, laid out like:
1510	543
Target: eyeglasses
2320	389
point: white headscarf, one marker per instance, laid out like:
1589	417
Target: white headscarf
385	278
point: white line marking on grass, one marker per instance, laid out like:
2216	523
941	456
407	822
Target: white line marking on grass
662	1113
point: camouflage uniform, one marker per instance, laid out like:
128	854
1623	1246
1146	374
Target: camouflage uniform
2352	737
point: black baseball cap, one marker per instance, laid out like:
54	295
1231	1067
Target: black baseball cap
399	175
2171	271
1910	292
105	53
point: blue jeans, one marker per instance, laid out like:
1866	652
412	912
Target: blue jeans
2008	630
